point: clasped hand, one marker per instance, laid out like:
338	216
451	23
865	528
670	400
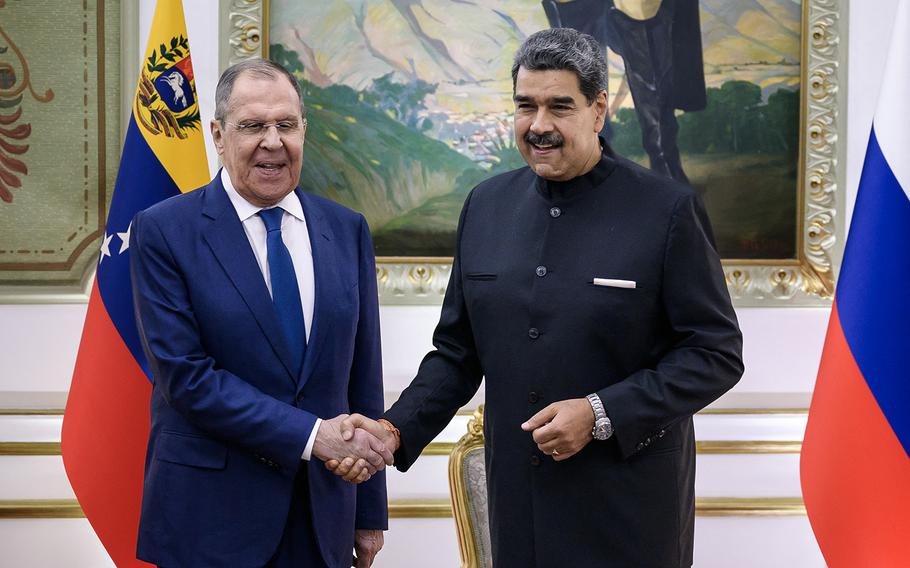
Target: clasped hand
362	450
355	468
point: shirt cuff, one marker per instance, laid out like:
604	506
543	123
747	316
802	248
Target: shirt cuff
308	450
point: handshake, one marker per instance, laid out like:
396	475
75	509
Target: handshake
355	447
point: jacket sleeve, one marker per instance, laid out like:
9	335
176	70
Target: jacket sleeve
365	391
448	376
213	399
704	357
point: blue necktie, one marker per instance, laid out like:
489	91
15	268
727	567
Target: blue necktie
285	291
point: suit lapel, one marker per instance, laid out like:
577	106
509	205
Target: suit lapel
229	243
325	275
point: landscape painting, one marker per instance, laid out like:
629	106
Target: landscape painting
409	104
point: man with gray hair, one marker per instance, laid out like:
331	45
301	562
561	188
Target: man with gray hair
588	292
257	310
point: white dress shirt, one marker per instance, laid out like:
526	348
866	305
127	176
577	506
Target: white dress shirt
296	239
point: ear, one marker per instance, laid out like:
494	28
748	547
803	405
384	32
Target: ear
600	108
217	136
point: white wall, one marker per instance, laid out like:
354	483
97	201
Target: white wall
38	343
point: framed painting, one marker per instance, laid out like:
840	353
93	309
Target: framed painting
409	105
59	143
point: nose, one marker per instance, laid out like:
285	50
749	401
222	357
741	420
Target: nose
542	122
270	138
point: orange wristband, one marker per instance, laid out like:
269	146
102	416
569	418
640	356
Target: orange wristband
390	427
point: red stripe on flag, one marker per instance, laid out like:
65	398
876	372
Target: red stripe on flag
853	468
105	432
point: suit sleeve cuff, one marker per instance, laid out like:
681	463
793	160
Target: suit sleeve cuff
308	450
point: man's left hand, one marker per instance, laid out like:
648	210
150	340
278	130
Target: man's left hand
562	429
367	544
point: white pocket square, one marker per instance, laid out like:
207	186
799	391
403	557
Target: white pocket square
614	283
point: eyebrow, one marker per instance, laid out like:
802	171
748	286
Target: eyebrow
554	100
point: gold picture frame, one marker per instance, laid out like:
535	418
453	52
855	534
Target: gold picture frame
807	280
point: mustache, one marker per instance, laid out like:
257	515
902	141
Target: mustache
549	139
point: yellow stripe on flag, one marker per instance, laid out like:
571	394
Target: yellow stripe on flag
165	107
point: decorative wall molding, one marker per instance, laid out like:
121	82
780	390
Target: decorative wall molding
435	508
445	448
246	34
29	448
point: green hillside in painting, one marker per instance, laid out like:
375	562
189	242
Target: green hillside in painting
363	158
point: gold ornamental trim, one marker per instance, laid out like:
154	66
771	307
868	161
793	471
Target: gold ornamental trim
704	447
747	447
438	449
435	508
41	509
446	448
29	448
749	506
31	412
420	509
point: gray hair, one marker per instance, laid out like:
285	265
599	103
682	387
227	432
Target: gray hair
257	67
558	49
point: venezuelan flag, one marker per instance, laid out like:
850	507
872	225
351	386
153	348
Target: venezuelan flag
106	423
855	463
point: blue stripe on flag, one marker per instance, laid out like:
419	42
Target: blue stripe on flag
141	182
872	295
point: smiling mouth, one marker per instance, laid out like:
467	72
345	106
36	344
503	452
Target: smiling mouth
270	166
543	142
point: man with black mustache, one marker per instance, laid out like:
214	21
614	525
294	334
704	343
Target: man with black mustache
660	44
588	291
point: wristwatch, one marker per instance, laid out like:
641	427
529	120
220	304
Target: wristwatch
603	428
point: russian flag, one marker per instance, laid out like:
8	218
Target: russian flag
855	462
106	422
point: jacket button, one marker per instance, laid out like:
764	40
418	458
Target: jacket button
639	447
535	461
541	271
533	397
533	333
555	212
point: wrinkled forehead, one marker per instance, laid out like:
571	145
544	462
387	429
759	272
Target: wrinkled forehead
547	85
265	97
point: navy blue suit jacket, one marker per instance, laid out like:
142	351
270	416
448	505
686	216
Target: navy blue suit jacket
229	421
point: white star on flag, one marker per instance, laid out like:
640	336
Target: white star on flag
125	239
106	247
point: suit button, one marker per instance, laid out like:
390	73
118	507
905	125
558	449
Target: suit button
639	447
533	397
555	212
533	333
541	271
535	461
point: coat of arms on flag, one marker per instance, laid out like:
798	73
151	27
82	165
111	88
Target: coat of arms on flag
165	102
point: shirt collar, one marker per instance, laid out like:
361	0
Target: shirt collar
245	209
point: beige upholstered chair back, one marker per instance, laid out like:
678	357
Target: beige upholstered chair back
468	488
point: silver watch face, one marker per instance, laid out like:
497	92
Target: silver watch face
603	429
